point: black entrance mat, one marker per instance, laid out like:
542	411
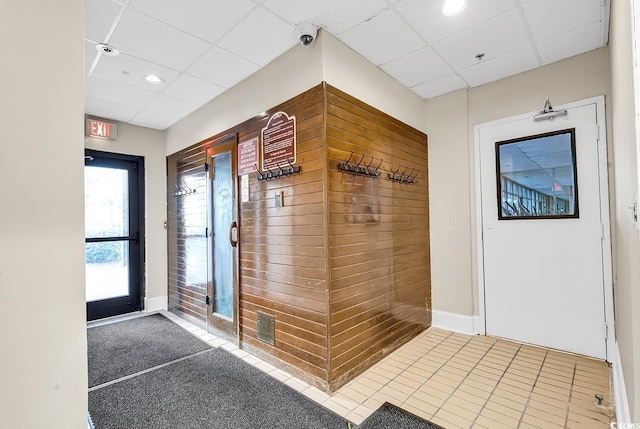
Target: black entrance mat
123	348
388	416
213	390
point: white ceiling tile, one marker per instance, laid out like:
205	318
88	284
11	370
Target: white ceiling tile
207	19
193	90
494	38
335	15
107	110
550	18
132	71
383	38
158	121
99	16
418	67
115	92
90	53
170	106
144	37
222	68
260	38
439	86
500	67
427	17
572	43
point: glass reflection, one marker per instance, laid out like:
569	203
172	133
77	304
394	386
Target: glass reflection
222	250
537	176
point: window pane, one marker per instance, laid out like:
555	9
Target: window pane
106	202
107	271
537	176
222	250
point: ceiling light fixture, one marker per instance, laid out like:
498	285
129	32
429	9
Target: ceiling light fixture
453	7
153	79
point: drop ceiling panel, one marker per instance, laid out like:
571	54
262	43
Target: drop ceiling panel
171	106
567	15
439	86
147	38
90	54
383	38
104	109
500	67
194	90
118	93
158	121
572	43
418	67
206	19
99	16
132	71
222	68
494	38
260	37
335	15
427	18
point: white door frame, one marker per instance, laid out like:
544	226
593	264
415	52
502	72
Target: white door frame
604	215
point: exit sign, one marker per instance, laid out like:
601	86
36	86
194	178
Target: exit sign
101	129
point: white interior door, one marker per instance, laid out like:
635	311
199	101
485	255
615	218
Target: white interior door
543	230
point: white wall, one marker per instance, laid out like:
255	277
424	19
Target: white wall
296	71
627	243
451	160
150	144
43	376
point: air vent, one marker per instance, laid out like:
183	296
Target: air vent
266	328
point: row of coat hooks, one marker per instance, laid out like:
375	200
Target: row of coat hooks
180	190
359	169
280	172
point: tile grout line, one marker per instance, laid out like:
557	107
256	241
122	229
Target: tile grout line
573	379
526	407
497	382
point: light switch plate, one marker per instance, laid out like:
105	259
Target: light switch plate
279	198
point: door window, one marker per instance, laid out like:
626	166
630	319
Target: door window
537	176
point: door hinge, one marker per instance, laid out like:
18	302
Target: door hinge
206	166
208	300
606	331
597	132
601	231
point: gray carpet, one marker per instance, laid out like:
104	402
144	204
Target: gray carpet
124	348
211	390
388	416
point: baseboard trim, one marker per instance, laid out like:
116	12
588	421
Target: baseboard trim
155	304
619	390
454	322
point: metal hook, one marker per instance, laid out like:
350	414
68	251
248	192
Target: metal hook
361	159
378	167
278	165
289	162
347	161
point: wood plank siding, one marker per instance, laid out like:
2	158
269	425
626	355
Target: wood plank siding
343	266
378	236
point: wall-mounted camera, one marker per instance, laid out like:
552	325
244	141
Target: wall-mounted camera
306	32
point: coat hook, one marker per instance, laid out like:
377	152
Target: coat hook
359	162
378	167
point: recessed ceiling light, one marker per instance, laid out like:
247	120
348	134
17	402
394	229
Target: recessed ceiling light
153	79
453	7
107	50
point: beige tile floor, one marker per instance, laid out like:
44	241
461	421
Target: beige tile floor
461	381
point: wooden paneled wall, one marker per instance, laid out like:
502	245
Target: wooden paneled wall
283	268
343	266
187	243
378	236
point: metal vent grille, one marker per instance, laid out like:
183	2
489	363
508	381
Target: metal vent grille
266	328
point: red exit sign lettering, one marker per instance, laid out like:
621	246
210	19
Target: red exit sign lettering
101	129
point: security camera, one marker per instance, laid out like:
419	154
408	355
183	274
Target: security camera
306	32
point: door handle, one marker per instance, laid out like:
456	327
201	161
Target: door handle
233	242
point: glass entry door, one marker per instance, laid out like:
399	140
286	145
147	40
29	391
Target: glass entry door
222	305
112	234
